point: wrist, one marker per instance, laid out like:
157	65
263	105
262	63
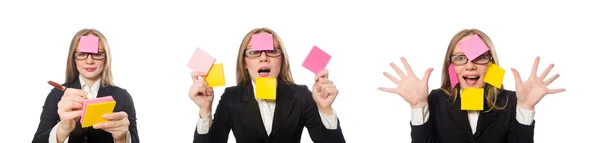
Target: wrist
418	105
61	134
326	110
528	107
205	113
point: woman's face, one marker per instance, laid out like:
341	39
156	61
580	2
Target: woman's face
470	73
90	65
263	63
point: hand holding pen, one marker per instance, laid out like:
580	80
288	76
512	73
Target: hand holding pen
69	109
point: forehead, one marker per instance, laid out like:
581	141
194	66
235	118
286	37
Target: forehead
100	45
456	48
275	41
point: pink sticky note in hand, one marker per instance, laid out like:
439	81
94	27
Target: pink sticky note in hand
261	42
88	44
92	101
201	61
316	60
453	76
473	47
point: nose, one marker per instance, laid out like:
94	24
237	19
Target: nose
89	59
263	57
470	66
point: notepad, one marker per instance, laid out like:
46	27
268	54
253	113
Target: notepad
201	61
93	109
494	75
88	44
216	76
266	88
452	75
471	99
316	60
261	42
473	47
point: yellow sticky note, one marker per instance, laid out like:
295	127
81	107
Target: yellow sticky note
471	99
93	113
216	76
494	75
266	88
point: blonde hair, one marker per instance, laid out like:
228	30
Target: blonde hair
491	92
72	73
242	75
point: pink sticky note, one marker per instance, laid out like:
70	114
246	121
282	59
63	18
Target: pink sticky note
316	60
453	76
473	47
262	42
88	44
92	101
201	61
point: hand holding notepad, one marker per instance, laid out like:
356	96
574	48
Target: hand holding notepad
93	109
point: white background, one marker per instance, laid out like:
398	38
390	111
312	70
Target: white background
152	42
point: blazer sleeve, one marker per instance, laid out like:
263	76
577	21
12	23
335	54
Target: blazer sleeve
49	117
425	133
518	133
129	108
314	124
221	124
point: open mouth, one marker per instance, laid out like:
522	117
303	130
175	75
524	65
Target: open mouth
471	80
264	72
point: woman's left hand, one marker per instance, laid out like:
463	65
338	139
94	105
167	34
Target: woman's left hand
117	125
324	92
530	92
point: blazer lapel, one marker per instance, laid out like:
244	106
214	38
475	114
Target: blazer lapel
460	117
251	112
284	105
485	118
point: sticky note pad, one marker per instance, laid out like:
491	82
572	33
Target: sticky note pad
473	47
88	44
494	75
453	76
266	88
93	110
316	60
201	61
471	99
262	42
216	76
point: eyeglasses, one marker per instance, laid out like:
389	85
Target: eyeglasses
271	53
95	56
462	59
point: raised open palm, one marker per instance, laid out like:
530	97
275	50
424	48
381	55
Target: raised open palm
412	89
531	91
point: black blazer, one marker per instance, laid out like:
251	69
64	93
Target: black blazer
448	124
50	118
238	111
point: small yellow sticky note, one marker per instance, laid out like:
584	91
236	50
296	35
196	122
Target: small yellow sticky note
94	112
216	76
471	99
266	88
494	75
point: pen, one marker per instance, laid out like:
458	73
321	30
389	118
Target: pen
57	86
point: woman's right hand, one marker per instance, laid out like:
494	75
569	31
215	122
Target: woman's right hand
69	110
201	94
413	90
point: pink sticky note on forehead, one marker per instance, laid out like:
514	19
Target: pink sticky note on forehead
262	42
201	61
453	76
316	60
473	47
92	101
88	44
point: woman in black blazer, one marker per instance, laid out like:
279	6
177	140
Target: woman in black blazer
507	116
256	120
88	75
